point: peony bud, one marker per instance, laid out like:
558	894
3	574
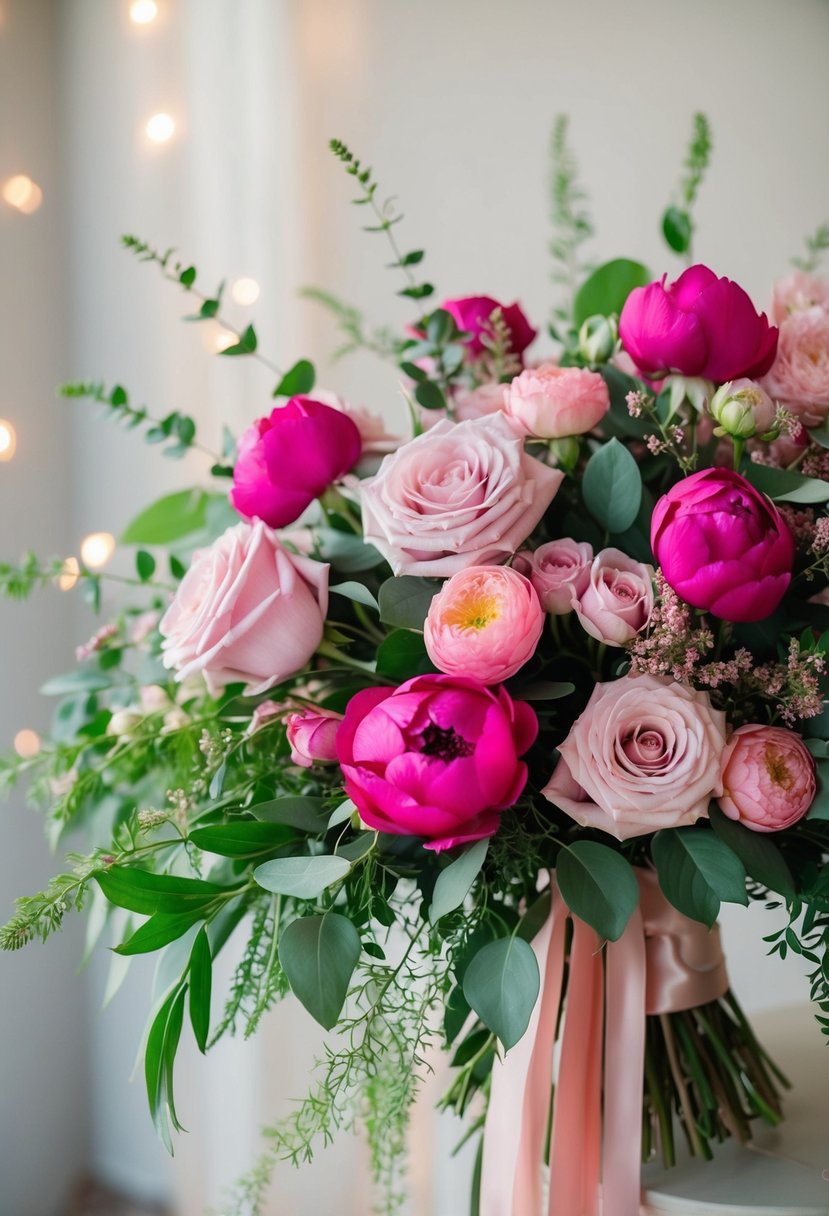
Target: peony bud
597	338
743	409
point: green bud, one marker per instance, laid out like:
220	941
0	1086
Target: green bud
597	338
741	409
565	452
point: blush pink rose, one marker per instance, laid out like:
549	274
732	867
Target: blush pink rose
799	377
312	734
768	778
798	292
438	757
644	755
462	494
559	571
247	611
617	602
473	314
552	402
485	622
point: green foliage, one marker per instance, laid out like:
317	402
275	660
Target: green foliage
677	221
318	954
403	655
612	487
816	246
605	291
302	877
298	379
201	981
761	857
501	984
598	885
159	1059
570	219
784	485
169	519
404	601
37	916
455	882
175	430
697	870
242	838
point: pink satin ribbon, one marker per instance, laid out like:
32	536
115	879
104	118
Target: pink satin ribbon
663	962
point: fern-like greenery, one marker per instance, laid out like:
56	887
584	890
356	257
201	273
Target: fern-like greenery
571	221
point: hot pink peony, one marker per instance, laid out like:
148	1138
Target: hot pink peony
462	494
473	315
485	622
373	434
288	459
798	292
617	601
799	377
768	778
552	402
312	734
698	326
247	610
437	757
559	571
723	546
644	755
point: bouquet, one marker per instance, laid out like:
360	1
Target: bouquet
465	734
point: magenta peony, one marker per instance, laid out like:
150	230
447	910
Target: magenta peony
312	734
617	601
723	546
288	459
799	377
698	326
472	314
552	402
768	778
559	571
437	757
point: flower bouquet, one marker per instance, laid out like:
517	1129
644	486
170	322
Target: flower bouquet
464	735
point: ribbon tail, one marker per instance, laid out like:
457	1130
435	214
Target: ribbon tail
623	1070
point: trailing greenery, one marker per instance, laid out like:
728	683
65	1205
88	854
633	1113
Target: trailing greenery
571	221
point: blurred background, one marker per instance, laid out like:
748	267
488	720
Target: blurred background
203	124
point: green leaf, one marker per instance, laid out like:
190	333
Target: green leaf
244	838
820	807
607	288
501	984
346	552
78	681
430	395
762	859
142	891
302	877
318	955
403	655
341	813
598	885
676	229
404	601
454	883
168	519
187	277
362	844
543	690
144	565
245	346
161	929
307	814
612	487
697	870
201	980
785	486
159	1057
355	591
297	380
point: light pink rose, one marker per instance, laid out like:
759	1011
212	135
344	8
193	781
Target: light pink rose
617	602
798	292
558	571
553	402
372	428
485	622
768	778
644	755
312	734
462	494
247	610
799	376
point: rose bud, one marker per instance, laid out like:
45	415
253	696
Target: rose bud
597	338
312	735
768	778
559	571
743	409
473	315
551	402
617	602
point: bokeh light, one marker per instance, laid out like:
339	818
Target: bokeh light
22	193
142	12
160	128
245	291
27	743
97	549
8	440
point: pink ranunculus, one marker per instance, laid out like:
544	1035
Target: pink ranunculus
644	755
462	494
559	571
723	546
799	377
798	292
247	611
617	602
288	459
312	734
485	622
438	757
552	402
768	778
473	315
698	326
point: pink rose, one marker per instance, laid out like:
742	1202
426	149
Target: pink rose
698	326
617	602
265	712
799	377
768	778
723	546
552	402
462	494
798	292
246	610
312	734
644	755
485	622
437	757
558	570
472	315
288	459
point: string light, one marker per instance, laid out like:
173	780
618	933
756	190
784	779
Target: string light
69	575
142	12
160	128
8	440
97	549
22	193
245	291
27	743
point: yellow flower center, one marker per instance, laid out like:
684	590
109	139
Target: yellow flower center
777	769
475	610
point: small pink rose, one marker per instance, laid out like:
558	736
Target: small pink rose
312	735
617	602
799	376
552	402
768	778
558	570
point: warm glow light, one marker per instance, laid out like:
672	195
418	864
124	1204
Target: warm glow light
142	12
8	440
22	193
160	128
245	291
97	549
217	340
68	576
27	743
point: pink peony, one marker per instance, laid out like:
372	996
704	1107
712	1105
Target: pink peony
437	757
698	326
246	610
462	494
644	755
485	622
723	546
312	734
288	459
552	402
559	571
373	434
798	292
472	314
617	602
799	377
768	778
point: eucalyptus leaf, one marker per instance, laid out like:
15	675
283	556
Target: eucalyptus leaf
346	552
318	955
697	870
761	857
598	885
355	591
302	877
612	487
243	838
405	600
402	654
783	485
501	984
454	883
307	814
607	288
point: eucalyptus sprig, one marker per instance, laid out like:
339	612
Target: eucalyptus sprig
571	221
677	223
816	246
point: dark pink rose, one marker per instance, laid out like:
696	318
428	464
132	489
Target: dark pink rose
698	326
472	314
723	546
437	757
288	459
312	734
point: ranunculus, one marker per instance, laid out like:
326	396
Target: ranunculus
554	402
699	326
559	571
312	734
247	611
723	546
288	459
473	315
485	622
798	292
617	602
768	778
799	377
644	755
462	494
437	757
